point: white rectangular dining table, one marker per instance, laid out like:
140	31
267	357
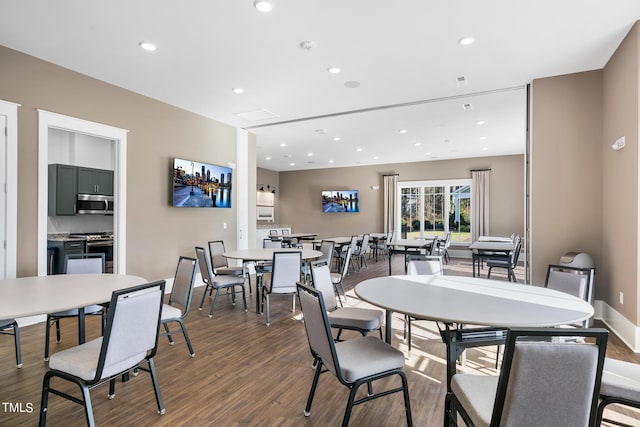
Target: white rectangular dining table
408	247
481	249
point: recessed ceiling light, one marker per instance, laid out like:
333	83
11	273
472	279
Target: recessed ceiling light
337	138
417	144
465	41
482	138
461	81
283	145
330	161
309	154
359	149
263	6
480	122
320	131
149	47
485	148
237	90
267	158
292	164
467	107
402	131
376	157
288	156
428	153
334	70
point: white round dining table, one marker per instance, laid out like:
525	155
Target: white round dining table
28	296
266	254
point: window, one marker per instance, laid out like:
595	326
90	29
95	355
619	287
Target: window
433	208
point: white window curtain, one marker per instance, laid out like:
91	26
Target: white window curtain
480	202
390	207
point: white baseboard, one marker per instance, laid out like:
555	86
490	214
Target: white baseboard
618	324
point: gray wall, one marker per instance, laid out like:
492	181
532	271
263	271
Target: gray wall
300	193
157	232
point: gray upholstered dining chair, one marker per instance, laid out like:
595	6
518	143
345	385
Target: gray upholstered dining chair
10	327
213	282
571	280
338	278
508	262
341	252
177	308
272	244
354	362
327	247
363	320
425	264
620	384
541	382
219	263
430	265
84	263
130	338
284	276
443	247
361	251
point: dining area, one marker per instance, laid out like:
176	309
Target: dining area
238	356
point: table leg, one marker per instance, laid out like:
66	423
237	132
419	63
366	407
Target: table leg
258	292
387	326
390	253
81	327
473	262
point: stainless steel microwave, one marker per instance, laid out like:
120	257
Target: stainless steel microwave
94	204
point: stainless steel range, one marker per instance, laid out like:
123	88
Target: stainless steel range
101	242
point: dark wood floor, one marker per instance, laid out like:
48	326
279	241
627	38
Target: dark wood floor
247	374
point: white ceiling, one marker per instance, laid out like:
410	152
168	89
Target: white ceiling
403	54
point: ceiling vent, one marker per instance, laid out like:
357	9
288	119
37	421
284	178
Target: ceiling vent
467	107
461	81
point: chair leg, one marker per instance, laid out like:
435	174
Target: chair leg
169	337
489	273
44	400
407	402
267	307
314	384
213	303
350	404
244	296
156	386
186	338
204	295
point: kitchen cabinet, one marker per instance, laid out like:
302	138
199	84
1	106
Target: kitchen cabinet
63	248
62	190
95	181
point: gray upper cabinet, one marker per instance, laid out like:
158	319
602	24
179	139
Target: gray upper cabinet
95	181
62	190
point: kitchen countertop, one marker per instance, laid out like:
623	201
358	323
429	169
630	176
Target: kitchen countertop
64	237
270	226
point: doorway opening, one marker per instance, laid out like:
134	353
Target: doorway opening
48	121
